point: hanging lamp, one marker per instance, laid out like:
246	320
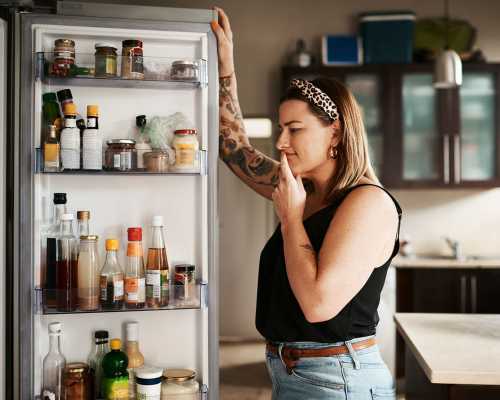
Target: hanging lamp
448	66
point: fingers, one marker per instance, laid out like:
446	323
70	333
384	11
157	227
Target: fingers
285	168
217	30
224	22
300	183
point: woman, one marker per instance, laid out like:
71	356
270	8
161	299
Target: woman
322	271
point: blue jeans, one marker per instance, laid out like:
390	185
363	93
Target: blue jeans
359	375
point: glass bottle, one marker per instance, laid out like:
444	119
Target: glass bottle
157	277
135	283
51	112
67	266
66	97
88	273
83	222
95	361
115	374
135	357
53	365
92	141
49	251
111	280
70	139
51	152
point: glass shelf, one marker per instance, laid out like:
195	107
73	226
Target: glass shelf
196	299
157	72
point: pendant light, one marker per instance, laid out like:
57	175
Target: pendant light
448	67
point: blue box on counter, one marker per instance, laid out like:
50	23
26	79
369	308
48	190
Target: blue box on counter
387	37
340	50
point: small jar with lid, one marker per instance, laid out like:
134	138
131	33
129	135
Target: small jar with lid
76	382
132	59
184	284
105	60
179	384
184	70
156	161
186	148
121	155
64	57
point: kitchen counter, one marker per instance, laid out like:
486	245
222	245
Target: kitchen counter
454	348
421	262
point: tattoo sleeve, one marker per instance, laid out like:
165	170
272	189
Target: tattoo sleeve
234	147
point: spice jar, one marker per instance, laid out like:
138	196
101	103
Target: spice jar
184	283
179	384
121	155
76	382
148	383
186	148
105	60
132	60
156	161
64	57
184	70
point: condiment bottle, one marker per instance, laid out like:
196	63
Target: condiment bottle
53	365
115	375
52	152
95	361
186	148
135	357
92	141
70	139
157	277
66	97
67	266
51	112
135	283
111	280
83	222
88	274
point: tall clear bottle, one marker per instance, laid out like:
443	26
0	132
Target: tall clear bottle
67	266
111	280
53	365
135	283
49	249
135	357
95	362
157	270
88	273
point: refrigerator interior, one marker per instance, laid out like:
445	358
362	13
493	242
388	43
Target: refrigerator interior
168	338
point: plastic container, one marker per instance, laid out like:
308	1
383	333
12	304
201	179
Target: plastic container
387	37
148	383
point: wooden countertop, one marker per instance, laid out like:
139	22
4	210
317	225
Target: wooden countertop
454	348
424	262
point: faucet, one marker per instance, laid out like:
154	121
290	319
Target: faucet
455	247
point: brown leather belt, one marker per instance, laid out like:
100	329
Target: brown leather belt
290	354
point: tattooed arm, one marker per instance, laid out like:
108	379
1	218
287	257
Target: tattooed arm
257	170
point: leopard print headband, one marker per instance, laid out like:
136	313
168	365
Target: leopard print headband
317	97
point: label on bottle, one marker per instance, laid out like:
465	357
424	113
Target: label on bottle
132	289
125	160
91	122
118	289
153	283
185	155
92	149
116	161
70	148
164	285
103	285
131	383
115	388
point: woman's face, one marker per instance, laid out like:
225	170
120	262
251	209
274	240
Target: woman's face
304	138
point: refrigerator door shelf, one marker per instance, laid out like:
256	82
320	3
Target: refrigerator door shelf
159	72
197	299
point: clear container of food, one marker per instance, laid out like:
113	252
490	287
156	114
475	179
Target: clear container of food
156	161
132	59
185	70
105	60
121	155
179	384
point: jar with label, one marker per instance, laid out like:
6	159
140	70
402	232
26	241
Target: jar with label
132	59
186	148
156	161
184	284
121	155
184	70
179	384
111	279
148	383
105	60
64	57
76	382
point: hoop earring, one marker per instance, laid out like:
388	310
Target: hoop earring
334	153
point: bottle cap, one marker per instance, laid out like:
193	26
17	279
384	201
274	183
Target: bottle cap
184	268
157	220
112	244
101	334
115	344
49	97
140	121
83	215
67	217
55	327
60	198
69	109
148	372
92	111
105	44
132	329
63	95
134	234
178	374
185	132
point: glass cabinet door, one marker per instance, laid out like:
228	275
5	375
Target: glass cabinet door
421	137
477	127
366	90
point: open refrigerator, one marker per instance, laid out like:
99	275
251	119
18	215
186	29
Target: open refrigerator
179	335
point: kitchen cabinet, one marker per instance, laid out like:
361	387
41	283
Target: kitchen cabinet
420	137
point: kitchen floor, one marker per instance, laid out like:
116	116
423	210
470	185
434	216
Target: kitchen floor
243	373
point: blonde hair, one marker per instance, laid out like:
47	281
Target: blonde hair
353	159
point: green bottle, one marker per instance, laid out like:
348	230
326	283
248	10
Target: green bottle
115	374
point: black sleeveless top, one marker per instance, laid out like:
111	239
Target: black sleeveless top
279	316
